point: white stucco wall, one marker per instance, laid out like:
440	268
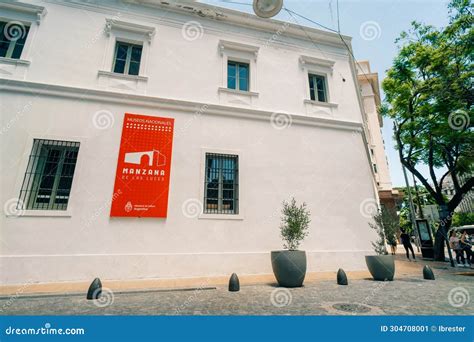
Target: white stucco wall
320	158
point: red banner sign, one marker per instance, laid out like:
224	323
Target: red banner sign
143	168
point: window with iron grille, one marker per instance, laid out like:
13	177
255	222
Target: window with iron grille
12	39
221	194
238	76
317	88
48	178
127	58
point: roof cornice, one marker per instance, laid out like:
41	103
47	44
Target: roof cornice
243	19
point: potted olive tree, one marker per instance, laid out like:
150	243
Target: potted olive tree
382	265
289	265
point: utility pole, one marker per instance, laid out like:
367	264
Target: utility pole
412	210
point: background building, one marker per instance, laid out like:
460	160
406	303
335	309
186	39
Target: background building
262	110
370	89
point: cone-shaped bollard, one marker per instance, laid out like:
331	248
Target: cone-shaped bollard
95	289
341	277
428	273
234	284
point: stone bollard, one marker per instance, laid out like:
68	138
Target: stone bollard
234	284
95	289
342	277
428	273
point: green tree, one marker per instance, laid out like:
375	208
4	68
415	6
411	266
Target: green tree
294	224
429	96
463	219
386	225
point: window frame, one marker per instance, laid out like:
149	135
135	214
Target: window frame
220	186
23	168
12	43
314	76
238	64
241	186
128	58
31	185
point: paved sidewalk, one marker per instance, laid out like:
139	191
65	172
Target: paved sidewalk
409	294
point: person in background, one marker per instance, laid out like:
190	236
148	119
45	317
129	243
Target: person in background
407	244
455	245
466	247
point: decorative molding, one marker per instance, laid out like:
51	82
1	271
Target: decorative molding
322	104
105	96
237	92
14	61
122	76
240	47
308	61
38	11
113	24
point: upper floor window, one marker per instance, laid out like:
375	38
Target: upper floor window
127	58
12	39
221	193
48	178
317	88
238	76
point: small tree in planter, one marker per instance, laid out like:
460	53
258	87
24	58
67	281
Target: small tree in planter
289	266
382	265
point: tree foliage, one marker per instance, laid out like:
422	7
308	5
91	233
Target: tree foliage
295	224
386	224
429	96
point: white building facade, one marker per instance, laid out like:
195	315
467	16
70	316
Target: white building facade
282	110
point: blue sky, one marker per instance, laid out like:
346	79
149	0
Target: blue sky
385	18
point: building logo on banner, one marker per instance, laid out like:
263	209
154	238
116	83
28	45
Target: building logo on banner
143	166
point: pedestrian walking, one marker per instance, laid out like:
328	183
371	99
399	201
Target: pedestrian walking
466	247
407	244
454	243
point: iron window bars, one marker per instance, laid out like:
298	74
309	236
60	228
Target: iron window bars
221	194
48	178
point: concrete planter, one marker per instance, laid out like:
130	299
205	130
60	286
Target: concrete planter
289	267
382	267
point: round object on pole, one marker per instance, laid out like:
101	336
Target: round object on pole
267	8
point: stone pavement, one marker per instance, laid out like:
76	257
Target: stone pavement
408	294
